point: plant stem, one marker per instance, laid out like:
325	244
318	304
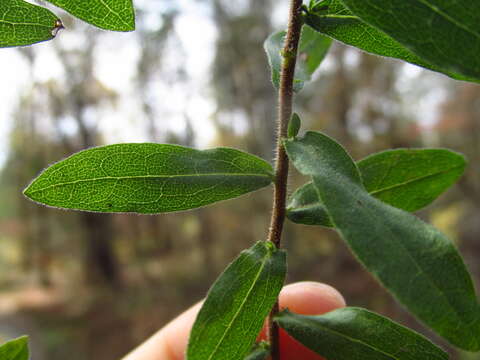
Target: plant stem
285	100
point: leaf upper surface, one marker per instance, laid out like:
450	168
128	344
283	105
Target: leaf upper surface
237	304
341	24
357	334
312	49
22	23
445	33
408	179
116	15
16	349
416	262
148	178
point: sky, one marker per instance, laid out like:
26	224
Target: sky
197	37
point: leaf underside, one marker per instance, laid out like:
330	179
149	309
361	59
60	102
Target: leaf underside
22	23
408	179
357	334
445	33
237	304
115	15
148	178
413	260
341	24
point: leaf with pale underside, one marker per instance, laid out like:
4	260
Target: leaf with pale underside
16	349
357	334
148	178
445	33
413	260
22	23
312	49
337	21
115	15
237	304
408	179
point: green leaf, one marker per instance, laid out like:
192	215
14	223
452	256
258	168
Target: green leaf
15	349
312	50
445	33
22	23
357	334
294	125
305	207
148	178
411	179
237	304
408	179
416	262
116	15
341	24
260	351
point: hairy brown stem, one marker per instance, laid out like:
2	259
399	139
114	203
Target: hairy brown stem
285	100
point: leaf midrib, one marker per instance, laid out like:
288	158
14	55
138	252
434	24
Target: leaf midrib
415	262
410	181
332	331
318	203
448	17
229	326
148	177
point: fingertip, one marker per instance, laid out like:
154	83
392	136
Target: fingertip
311	298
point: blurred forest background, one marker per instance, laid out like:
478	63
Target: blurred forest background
93	286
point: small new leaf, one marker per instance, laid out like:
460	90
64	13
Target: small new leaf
22	23
294	126
357	334
412	259
148	178
115	15
237	304
337	21
408	179
15	349
312	49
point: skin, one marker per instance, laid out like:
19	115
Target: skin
307	298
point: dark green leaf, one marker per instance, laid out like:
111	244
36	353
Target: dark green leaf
408	179
411	179
357	334
305	207
15	349
237	304
148	178
294	125
416	262
116	15
312	50
260	351
22	23
341	24
445	33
